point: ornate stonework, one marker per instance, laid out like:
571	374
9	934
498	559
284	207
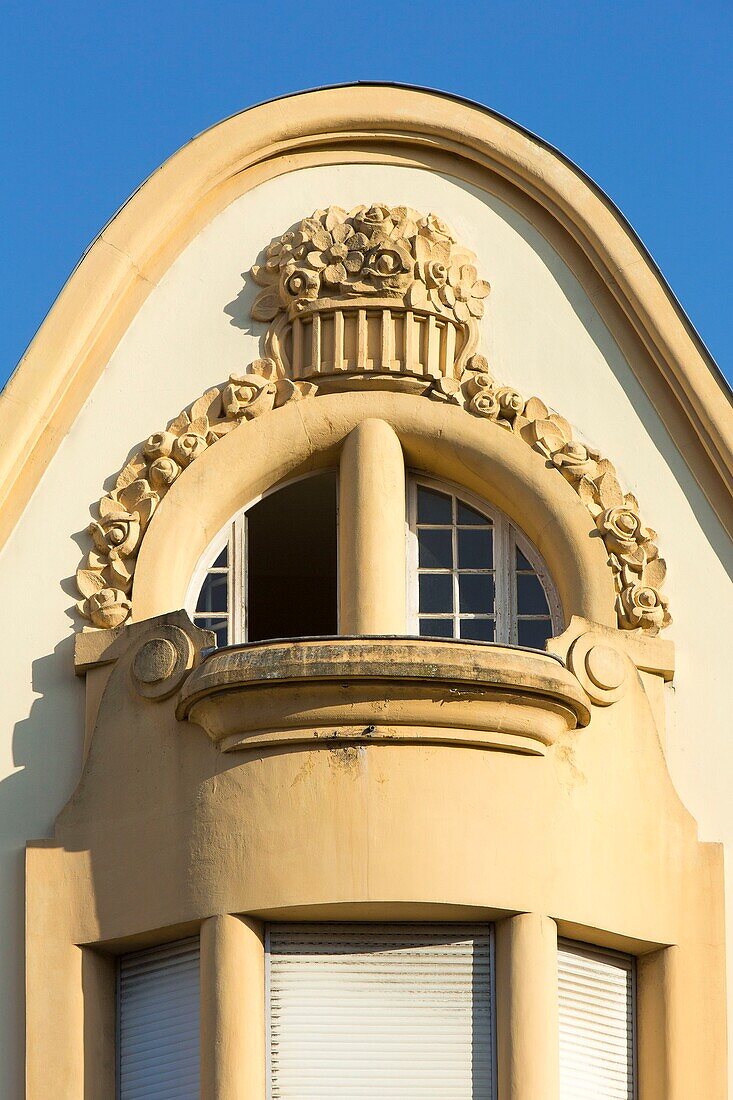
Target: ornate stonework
376	290
633	554
387	296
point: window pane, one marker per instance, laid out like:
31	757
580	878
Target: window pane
478	630
433	507
476	593
213	594
531	599
436	592
475	549
522	562
436	628
435	549
219	626
291	561
470	515
534	632
223	560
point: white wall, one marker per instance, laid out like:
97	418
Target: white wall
541	333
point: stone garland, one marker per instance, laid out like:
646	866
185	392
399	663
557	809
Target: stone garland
105	581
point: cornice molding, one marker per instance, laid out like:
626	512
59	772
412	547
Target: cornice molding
108	287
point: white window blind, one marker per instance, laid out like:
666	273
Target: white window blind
158	1023
380	1011
596	1001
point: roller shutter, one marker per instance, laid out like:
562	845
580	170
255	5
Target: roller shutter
596	1000
380	1011
158	1023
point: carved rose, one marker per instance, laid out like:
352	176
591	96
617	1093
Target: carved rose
378	249
640	606
299	282
485	403
511	403
389	266
159	445
433	226
248	395
621	529
163	472
376	217
109	607
188	446
116	534
575	461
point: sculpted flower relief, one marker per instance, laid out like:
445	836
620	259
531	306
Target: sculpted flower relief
372	261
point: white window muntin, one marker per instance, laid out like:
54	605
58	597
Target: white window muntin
507	539
233	537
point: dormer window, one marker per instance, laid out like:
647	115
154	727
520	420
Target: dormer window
470	573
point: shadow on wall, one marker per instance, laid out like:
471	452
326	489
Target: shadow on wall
39	743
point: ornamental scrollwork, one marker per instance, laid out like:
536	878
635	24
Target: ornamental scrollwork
105	579
633	555
375	293
372	252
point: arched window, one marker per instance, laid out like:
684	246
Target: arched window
272	572
472	574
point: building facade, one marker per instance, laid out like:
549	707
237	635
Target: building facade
367	543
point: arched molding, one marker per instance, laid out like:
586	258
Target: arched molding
438	438
384	123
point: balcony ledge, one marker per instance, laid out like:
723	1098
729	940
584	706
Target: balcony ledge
383	689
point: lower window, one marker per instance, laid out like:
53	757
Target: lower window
596	1002
158	1023
380	1011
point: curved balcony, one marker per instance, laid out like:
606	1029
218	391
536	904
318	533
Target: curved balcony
312	690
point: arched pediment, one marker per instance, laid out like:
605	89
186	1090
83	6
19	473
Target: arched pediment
400	125
379	299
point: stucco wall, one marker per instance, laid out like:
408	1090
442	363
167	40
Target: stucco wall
541	333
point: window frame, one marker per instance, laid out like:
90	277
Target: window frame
507	536
233	536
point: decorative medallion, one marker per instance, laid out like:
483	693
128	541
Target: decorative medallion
381	296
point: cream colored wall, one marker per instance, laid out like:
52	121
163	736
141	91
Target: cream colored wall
541	333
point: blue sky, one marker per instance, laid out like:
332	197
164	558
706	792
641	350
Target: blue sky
95	96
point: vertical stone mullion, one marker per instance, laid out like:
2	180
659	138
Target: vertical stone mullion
372	536
232	1009
527	1008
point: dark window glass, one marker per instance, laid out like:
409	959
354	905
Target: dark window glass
522	562
466	514
478	630
291	561
223	560
433	507
219	626
436	592
534	632
476	593
436	628
475	548
531	599
435	549
213	594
